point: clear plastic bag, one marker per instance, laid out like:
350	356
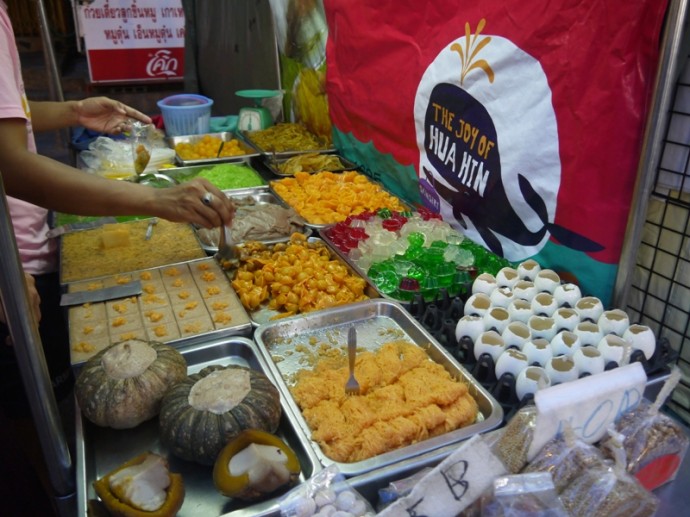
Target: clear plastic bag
523	495
324	494
610	490
566	457
515	440
654	443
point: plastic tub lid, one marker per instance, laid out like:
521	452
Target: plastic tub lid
184	100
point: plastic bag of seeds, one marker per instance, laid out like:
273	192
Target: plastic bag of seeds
609	491
514	443
566	457
523	495
654	443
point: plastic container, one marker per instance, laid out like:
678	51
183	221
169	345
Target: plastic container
186	114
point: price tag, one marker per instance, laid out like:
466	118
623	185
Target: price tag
589	404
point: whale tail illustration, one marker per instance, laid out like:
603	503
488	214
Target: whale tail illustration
561	234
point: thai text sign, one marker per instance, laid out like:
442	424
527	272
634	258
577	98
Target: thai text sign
133	40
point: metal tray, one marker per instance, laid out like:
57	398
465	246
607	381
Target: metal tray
378	321
259	196
247	136
240	323
264	315
225	136
181	174
273	164
405	205
100	450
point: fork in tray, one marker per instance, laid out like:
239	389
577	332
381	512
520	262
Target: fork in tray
352	386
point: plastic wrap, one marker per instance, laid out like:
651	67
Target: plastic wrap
514	443
324	494
566	457
523	495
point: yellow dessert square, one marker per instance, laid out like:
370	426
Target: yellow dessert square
158	316
163	332
122	307
189	310
195	326
82	351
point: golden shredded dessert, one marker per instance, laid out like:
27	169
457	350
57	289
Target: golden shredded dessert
162	312
91	254
405	398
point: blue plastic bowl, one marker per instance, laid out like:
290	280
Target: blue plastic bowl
186	114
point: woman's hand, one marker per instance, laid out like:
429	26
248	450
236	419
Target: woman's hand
107	115
197	201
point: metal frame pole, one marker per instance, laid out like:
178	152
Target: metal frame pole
652	146
32	366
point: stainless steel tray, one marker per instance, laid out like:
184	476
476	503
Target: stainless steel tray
102	334
317	226
286	344
247	136
181	174
225	136
273	164
264	315
100	450
258	196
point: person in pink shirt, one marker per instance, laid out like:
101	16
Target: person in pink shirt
36	184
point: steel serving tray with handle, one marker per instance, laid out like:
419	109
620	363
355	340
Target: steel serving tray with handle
287	153
224	136
100	450
182	174
274	164
239	323
257	196
407	207
265	315
287	345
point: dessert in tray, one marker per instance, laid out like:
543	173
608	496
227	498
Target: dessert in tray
178	302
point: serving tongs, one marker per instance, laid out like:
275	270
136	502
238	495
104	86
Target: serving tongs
228	254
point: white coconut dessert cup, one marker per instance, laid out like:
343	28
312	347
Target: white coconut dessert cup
484	283
489	342
566	319
516	334
589	308
615	349
507	277
614	321
528	269
530	380
542	326
520	310
567	294
589	360
497	318
538	352
589	333
510	361
524	290
561	369
641	337
544	304
546	281
477	304
469	327
565	343
501	297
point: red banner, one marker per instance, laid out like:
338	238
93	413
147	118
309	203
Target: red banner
136	64
522	121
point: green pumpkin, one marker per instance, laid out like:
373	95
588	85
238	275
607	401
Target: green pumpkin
203	412
123	385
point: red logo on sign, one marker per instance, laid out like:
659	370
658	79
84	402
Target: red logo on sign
162	64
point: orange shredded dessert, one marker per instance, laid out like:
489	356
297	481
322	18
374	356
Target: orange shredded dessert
405	398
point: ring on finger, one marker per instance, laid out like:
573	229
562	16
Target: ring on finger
207	198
